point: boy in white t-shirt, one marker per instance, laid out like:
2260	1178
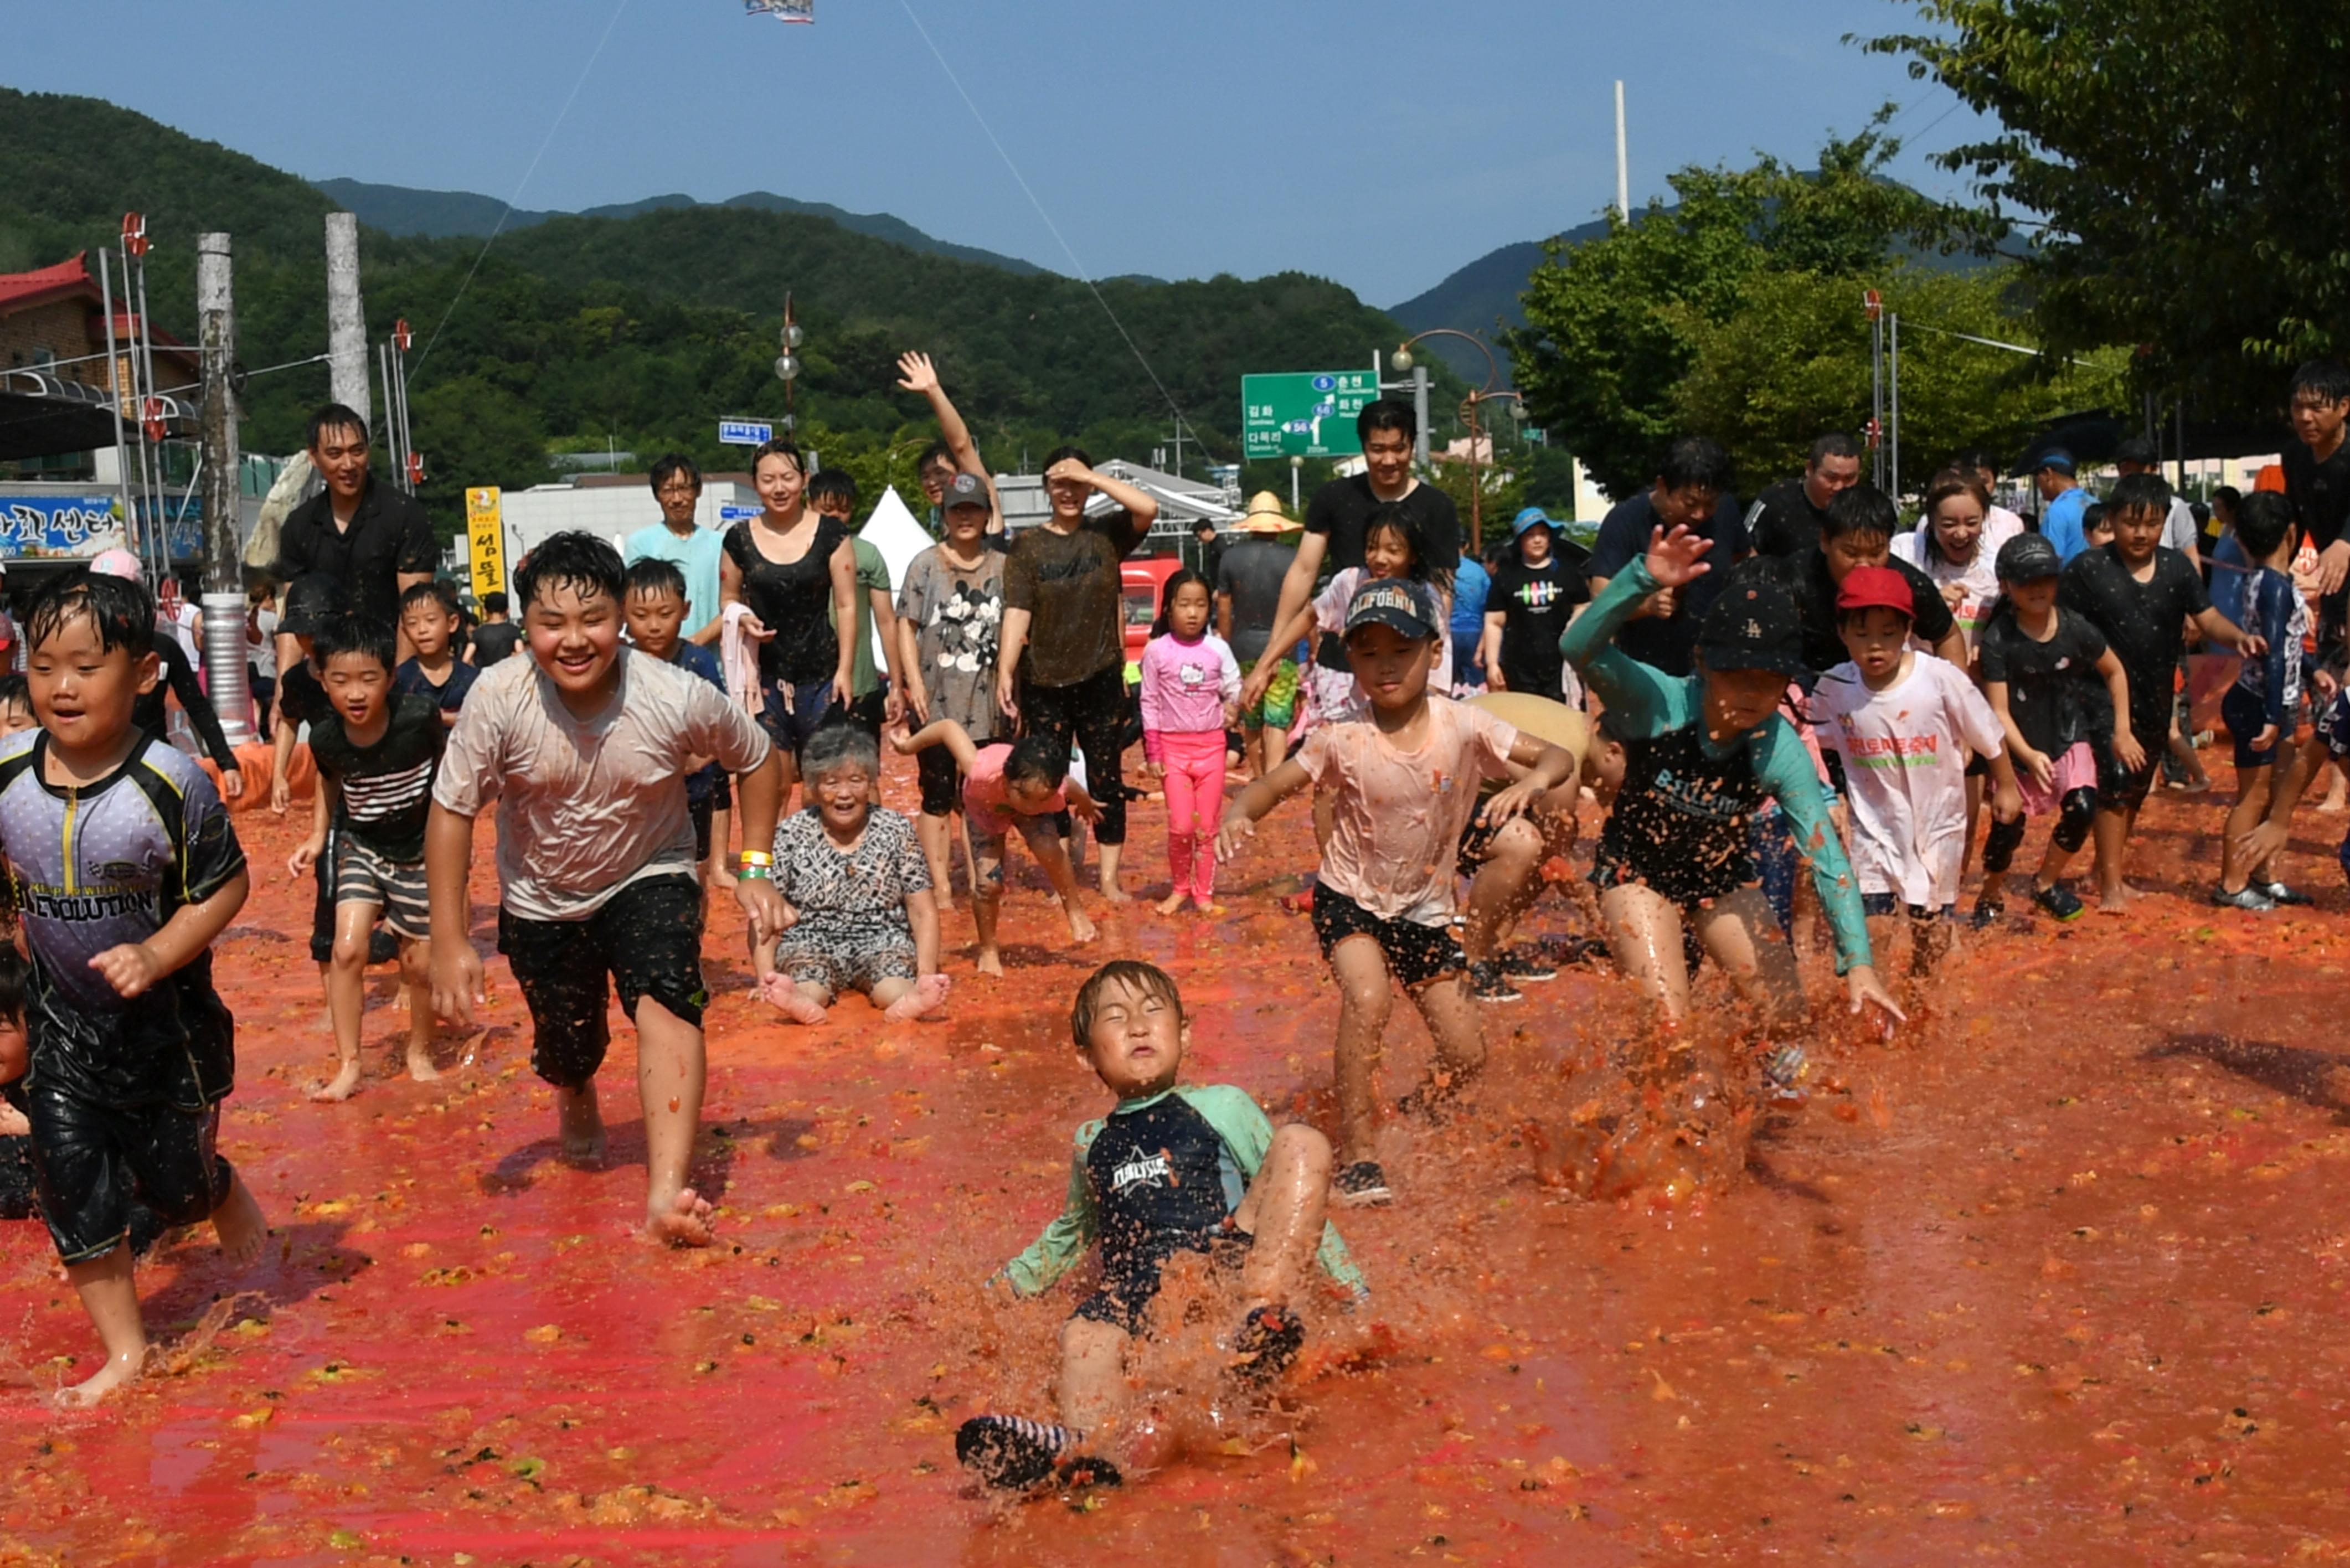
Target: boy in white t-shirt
1405	782
1903	722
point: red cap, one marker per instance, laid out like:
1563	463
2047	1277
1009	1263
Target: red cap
1877	587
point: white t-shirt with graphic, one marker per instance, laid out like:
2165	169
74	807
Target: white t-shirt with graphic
1905	751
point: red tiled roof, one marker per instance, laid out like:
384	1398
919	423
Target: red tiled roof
20	289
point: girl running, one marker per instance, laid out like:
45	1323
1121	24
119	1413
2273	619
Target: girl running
1190	687
1394	546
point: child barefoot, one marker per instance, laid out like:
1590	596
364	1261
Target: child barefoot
1904	722
855	891
585	745
377	755
1026	784
2037	665
126	869
1172	1168
2263	706
1190	682
1402	785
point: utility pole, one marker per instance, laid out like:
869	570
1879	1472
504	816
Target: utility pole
1419	410
346	366
1623	162
224	592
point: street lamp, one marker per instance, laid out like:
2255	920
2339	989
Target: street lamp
1297	466
788	365
1490	391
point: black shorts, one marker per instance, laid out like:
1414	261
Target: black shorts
1883	904
647	938
1978	766
941	779
322	912
2120	789
98	1163
872	710
1131	1282
2246	715
1416	954
1683	881
698	811
812	704
1476	843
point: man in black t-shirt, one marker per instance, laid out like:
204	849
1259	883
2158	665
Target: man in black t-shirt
1692	491
1340	513
2139	596
1787	518
2318	481
1857	531
1534	595
496	637
372	537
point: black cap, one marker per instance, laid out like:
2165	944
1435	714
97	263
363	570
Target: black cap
963	490
1754	625
310	600
2027	558
1397	602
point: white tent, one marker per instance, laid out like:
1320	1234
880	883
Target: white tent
893	531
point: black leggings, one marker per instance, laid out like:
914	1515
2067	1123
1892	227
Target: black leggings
1093	714
100	1164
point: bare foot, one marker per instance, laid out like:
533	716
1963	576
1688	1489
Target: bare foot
239	1223
683	1222
930	992
2334	803
991	962
338	1088
1112	893
1172	902
2115	901
116	1371
419	1062
1081	926
581	1126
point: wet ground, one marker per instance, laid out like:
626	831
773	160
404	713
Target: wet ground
2056	1276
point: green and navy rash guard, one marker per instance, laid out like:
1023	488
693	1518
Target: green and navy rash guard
99	866
1141	1192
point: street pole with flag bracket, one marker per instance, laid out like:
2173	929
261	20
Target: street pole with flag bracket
788	369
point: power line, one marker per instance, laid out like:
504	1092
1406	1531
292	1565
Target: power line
500	226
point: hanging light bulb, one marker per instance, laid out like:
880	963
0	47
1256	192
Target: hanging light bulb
787	367
793	336
1401	358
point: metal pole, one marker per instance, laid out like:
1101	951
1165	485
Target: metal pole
346	320
1893	414
399	397
225	667
1623	162
1420	410
1476	508
390	425
114	385
1877	399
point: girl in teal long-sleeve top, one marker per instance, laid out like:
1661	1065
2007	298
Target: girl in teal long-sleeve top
1701	752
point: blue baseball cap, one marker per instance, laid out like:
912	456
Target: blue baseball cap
2058	458
1528	519
1396	602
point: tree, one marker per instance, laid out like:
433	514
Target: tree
1613	324
2186	162
1793	359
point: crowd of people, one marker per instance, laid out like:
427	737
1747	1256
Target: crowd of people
1815	681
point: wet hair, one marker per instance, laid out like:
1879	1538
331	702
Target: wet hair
2263	522
2229	497
1403	522
1040	760
495	604
938	452
122	612
1835	443
779	447
1694	462
16	969
1059	452
1133	975
2138	493
17	689
576	560
435	592
840	741
833	481
1183	579
655	577
2328	380
2137	450
2092	518
362	636
331	417
1863	509
668	468
1385	414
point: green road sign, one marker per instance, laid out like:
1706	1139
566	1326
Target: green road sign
1305	414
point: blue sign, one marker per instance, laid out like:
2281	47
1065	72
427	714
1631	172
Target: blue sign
746	433
58	524
729	513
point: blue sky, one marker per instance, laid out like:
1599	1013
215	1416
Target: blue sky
1379	143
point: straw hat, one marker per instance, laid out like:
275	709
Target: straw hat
1265	515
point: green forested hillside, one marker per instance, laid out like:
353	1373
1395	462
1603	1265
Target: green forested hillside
644	330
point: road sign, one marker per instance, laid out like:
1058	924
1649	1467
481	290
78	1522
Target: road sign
746	433
1305	414
485	539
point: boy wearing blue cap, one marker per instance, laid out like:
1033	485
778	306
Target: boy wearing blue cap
1404	782
1532	596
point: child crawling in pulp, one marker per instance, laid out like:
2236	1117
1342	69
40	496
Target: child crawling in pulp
1174	1168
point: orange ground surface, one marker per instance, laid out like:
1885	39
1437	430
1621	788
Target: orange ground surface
2057	1276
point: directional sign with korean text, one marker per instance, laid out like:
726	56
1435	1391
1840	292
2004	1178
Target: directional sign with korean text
1305	414
746	433
486	540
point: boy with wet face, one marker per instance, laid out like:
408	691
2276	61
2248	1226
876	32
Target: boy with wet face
126	869
1173	1168
586	746
1404	782
429	621
1703	752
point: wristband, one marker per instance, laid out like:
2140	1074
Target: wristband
753	874
756	857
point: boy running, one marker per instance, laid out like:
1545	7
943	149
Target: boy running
1405	787
2263	708
1173	1168
126	869
428	616
586	746
375	754
656	615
